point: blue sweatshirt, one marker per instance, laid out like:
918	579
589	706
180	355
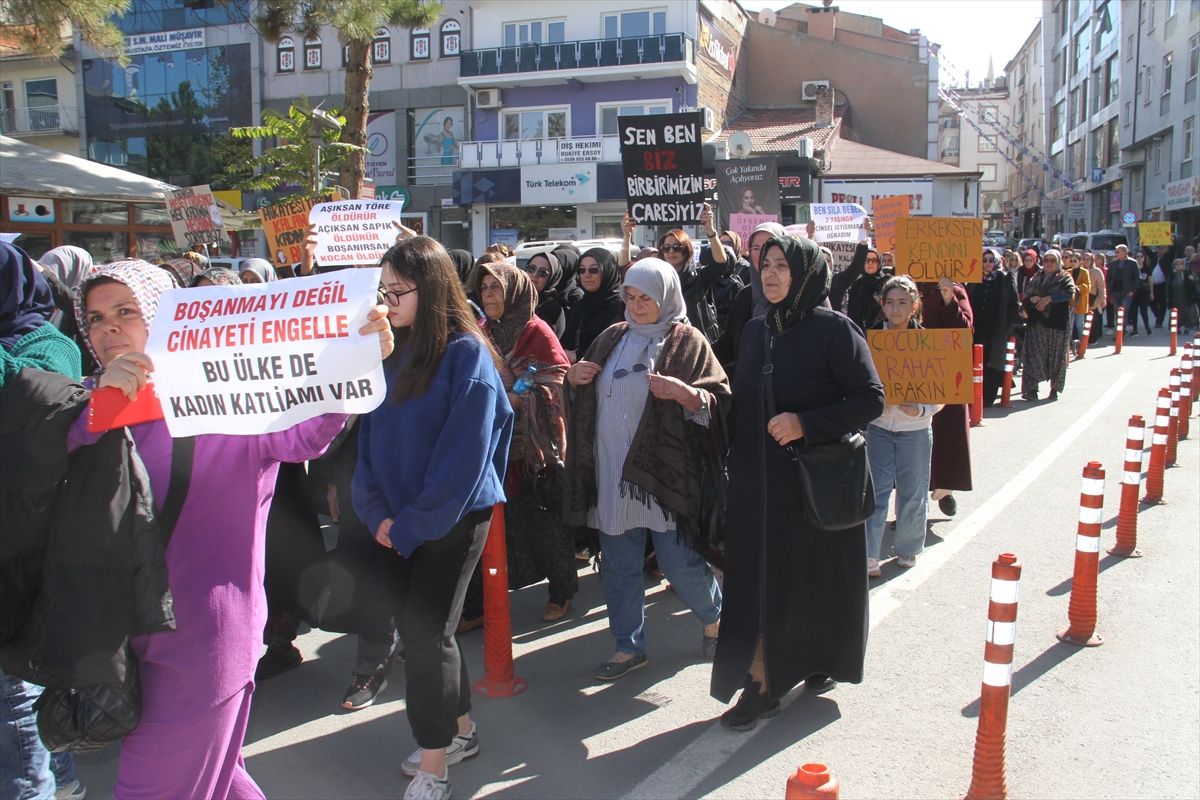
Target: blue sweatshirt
431	460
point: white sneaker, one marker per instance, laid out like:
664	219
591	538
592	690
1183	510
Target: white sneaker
425	786
906	562
72	791
873	570
462	747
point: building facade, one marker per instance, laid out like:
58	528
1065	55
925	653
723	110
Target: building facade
1027	181
967	123
38	98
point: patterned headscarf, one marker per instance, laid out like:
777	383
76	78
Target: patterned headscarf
998	269
520	300
658	280
147	283
182	271
220	276
810	282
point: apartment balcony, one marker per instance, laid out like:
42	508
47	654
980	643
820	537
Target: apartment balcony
31	122
432	170
484	155
950	156
661	56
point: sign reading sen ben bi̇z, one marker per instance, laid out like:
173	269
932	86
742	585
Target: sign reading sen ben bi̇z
664	168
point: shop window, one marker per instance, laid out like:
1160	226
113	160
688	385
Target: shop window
152	214
285	53
312	53
451	36
96	212
419	47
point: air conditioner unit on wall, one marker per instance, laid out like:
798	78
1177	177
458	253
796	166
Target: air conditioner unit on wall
808	89
709	119
487	98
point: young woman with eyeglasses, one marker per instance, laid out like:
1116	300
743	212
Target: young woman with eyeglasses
430	468
995	309
645	396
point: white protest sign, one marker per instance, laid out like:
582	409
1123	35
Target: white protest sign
259	358
843	255
354	231
839	222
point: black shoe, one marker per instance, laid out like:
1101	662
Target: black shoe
948	505
1029	396
363	691
1053	395
277	660
819	684
752	706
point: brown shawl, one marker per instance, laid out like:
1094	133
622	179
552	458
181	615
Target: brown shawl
666	457
520	299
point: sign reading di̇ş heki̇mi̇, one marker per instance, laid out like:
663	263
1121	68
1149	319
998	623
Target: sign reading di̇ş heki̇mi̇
930	365
931	248
354	231
253	359
664	168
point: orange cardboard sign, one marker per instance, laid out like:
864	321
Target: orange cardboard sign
887	210
931	248
931	365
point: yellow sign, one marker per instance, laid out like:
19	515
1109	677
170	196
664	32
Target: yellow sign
1153	234
284	225
931	365
887	210
931	248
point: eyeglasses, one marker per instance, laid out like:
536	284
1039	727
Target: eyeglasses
672	248
393	298
590	270
621	373
872	260
541	273
986	260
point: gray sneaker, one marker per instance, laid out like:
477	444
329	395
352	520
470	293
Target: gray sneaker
906	562
428	787
461	748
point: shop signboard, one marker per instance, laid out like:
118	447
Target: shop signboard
919	190
380	159
663	164
715	48
1077	207
580	151
1183	194
164	42
558	184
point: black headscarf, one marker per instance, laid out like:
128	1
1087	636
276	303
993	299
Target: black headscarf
25	300
810	282
464	262
568	289
550	306
588	318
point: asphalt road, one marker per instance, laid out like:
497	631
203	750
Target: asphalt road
1120	720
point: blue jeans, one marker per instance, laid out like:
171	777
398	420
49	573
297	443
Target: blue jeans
28	771
899	458
1077	323
622	559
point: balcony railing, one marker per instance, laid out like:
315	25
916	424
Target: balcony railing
432	170
38	120
477	155
588	54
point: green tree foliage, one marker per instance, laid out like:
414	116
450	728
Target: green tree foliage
39	25
356	22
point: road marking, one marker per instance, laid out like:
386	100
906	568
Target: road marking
682	774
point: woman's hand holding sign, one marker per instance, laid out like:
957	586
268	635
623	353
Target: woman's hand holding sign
127	372
377	322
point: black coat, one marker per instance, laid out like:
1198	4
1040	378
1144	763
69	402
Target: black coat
697	285
995	310
809	586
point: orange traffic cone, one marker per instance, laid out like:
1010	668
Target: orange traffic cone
812	782
1174	330
1185	391
498	679
1173	420
1120	329
1010	359
1158	449
1135	444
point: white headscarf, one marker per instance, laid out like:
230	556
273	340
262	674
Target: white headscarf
70	264
660	282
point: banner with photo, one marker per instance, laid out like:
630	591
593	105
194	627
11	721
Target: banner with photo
435	144
747	194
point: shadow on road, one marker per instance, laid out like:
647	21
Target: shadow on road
1048	660
889	569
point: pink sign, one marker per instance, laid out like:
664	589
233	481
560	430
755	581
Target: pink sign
744	224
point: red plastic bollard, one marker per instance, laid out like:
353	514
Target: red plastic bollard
1087	332
1010	359
977	380
1082	609
498	680
1174	330
1131	483
1120	329
988	778
1173	420
1158	449
1185	391
812	782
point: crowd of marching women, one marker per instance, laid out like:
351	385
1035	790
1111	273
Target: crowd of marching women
651	410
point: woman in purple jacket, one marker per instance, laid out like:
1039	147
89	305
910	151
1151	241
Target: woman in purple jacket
196	680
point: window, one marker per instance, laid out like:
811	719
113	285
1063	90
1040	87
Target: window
1145	85
1114	143
1169	25
1075	4
545	123
1189	88
986	144
1056	121
1189	141
1099	140
1150	14
950	145
1057	64
1164	102
1158	158
451	35
419	49
989	114
608	114
1073	109
381	48
41	100
1126	114
1129	48
542	31
989	173
1112	81
312	53
1077	46
1098	90
635	23
285	54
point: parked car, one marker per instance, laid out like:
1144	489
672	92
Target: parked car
1036	244
1105	241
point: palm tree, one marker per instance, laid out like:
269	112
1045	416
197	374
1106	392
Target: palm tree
356	22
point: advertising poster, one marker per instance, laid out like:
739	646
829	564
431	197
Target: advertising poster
381	148
664	168
195	217
354	231
839	222
749	190
932	365
436	141
932	248
246	360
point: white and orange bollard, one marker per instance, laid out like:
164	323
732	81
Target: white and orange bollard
1087	334
1185	391
1158	449
812	782
1010	363
1120	329
988	771
977	384
1082	610
1131	484
1173	420
1174	330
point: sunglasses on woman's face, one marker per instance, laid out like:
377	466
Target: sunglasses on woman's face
672	248
541	273
590	270
989	260
872	260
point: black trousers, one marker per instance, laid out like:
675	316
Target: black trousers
429	590
1097	328
1159	304
1141	302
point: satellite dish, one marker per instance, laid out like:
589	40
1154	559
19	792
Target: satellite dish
767	17
739	144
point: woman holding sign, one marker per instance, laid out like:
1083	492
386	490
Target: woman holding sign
795	595
431	463
1049	298
945	304
196	680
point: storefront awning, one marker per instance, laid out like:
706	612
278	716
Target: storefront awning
26	169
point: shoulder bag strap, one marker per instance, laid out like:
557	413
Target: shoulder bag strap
183	452
768	369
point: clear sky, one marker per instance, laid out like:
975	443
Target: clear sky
969	31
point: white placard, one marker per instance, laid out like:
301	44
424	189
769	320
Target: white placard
354	231
580	151
839	222
258	358
864	192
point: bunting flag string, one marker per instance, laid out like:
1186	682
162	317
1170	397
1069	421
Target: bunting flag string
999	150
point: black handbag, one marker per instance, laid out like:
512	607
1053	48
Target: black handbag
89	718
836	488
546	485
714	491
